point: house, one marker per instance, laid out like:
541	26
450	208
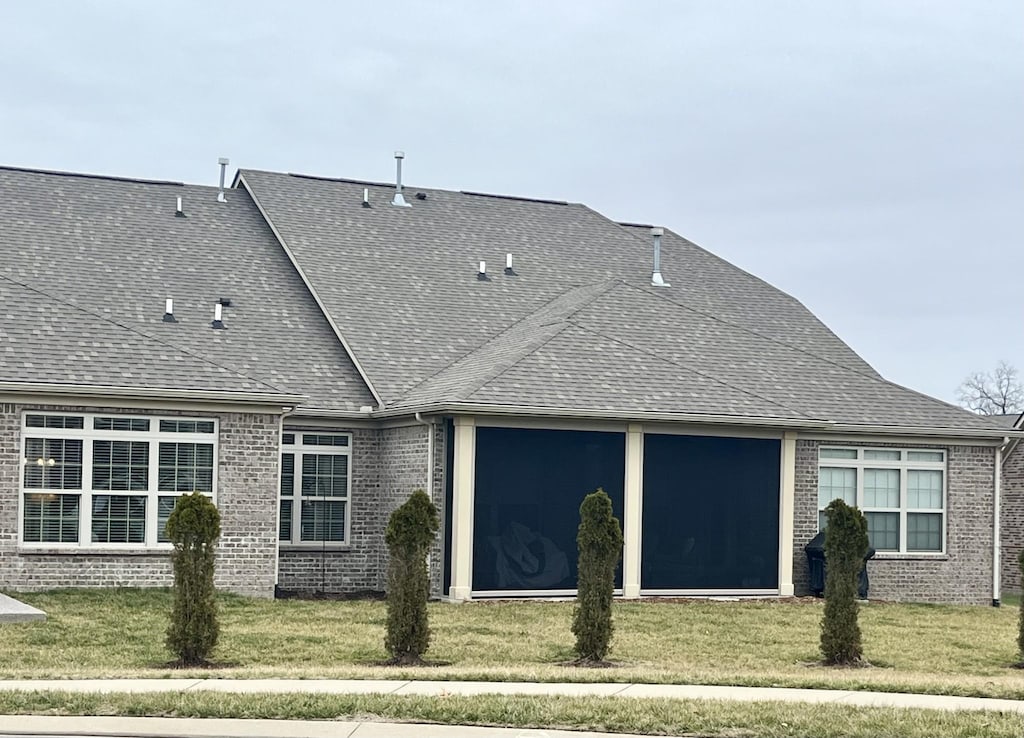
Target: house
1011	503
308	351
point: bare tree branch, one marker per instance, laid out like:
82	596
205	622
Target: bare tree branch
993	393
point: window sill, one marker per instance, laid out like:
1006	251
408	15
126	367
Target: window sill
94	551
313	547
892	556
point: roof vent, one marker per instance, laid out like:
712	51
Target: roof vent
218	317
223	172
421	195
366	197
398	200
656	279
482	273
508	266
179	211
169	309
225	301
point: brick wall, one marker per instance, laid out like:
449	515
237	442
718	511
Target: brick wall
387	465
963	575
1012	518
246	496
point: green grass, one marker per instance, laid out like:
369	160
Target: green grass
646	716
923	648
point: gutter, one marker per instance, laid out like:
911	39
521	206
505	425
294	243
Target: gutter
152	393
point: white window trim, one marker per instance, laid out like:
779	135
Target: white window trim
298	449
903	466
87	435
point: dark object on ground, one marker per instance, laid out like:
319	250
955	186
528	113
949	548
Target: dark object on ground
818	570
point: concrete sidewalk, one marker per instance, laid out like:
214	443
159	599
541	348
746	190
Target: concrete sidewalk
20	725
12	611
571	689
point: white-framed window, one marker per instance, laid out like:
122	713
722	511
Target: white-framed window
902	493
316	476
95	480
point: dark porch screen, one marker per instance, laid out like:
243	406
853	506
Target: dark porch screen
529	486
710	513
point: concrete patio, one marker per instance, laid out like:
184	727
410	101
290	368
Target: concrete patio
12	611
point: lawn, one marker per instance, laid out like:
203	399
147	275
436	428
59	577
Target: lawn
925	648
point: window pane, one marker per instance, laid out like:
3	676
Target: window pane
838	453
876	454
881	488
324	475
924	489
288	439
285	522
318	439
118	519
164	506
924	456
53	463
186	426
323	520
51	518
883	531
54	421
287	474
121	424
186	467
924	532
837	483
120	465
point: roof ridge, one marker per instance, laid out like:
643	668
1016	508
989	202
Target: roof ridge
681	365
85	175
752	332
626	226
135	330
607	285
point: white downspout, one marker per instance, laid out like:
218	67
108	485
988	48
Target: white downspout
430	475
277	517
996	544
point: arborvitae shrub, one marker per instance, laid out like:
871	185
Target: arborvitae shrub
846	545
193	528
411	530
599	541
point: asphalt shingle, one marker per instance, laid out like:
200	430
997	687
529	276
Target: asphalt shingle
115	249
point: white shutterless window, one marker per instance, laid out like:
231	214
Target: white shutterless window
110	481
902	493
316	482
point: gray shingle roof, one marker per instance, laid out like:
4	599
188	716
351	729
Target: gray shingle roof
49	341
114	250
579	327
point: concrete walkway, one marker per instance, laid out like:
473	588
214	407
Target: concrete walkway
572	689
18	725
12	611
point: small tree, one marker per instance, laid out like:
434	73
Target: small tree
411	529
999	392
599	541
846	545
193	527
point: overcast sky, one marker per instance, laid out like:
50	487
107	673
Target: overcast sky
866	157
